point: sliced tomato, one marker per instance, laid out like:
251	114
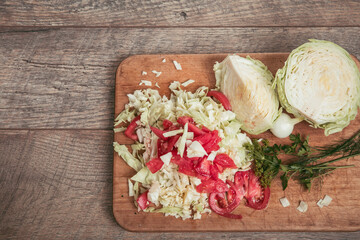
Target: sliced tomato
143	200
155	165
167	124
185	166
231	194
159	133
256	196
176	158
203	167
214	172
191	125
221	98
171	142
260	203
213	143
130	130
224	160
224	207
185	119
205	129
211	185
161	147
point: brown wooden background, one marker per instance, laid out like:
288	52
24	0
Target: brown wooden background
57	77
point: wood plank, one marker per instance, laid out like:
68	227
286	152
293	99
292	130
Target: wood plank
342	185
58	184
65	78
129	13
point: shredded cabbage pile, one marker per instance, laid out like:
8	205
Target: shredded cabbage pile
174	193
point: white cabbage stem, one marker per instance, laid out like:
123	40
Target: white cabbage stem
284	125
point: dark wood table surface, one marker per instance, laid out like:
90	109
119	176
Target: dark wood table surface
57	76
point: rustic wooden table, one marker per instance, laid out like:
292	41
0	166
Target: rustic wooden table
57	73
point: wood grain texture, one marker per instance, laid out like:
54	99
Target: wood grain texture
342	215
64	78
130	13
57	184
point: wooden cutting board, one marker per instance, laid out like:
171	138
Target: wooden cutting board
343	214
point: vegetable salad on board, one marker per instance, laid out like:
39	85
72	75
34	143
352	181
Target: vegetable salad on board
191	152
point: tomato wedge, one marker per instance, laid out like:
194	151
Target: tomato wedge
130	130
221	98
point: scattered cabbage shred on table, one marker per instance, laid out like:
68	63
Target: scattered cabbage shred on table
172	192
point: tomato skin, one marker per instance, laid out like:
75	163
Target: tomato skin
143	200
130	130
221	98
155	165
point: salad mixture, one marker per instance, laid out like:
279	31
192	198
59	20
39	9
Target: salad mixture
189	154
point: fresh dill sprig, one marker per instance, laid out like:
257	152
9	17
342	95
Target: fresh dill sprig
304	166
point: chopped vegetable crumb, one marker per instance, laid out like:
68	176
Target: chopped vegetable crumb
284	202
145	82
157	74
164	60
143	73
327	200
157	85
131	188
320	203
303	207
324	202
188	82
177	65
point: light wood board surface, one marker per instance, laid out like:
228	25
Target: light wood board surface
342	186
57	81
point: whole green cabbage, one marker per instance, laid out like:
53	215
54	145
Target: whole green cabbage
321	83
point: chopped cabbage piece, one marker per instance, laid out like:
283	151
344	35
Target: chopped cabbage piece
124	153
173	133
188	82
182	140
166	158
195	149
144	176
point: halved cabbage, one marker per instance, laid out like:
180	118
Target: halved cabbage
247	83
321	83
